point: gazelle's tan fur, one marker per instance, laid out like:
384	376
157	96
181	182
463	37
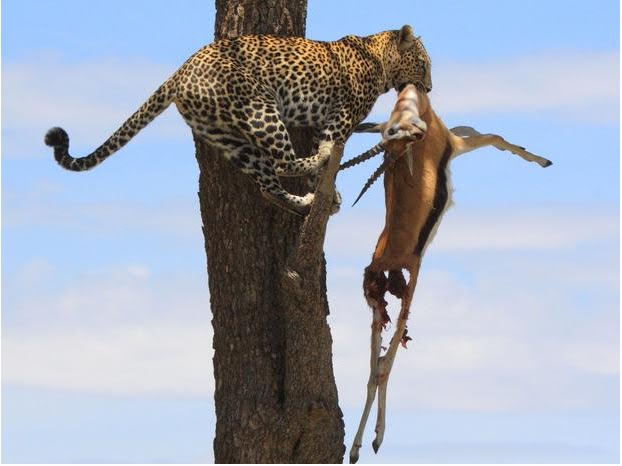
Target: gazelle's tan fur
417	191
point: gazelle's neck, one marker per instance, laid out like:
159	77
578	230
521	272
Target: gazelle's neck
412	99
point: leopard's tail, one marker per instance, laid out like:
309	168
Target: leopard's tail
156	104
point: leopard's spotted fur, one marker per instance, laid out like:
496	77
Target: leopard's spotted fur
240	94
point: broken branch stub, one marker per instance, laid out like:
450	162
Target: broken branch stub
307	256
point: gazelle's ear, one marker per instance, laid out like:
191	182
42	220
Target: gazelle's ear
406	38
369	128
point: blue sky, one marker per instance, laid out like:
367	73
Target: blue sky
106	333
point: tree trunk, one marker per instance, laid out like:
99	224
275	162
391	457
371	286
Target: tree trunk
275	393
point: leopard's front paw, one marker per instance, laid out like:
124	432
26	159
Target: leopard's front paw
300	205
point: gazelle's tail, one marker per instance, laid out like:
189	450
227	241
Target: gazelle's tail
59	140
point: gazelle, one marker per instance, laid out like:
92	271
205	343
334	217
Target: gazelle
417	192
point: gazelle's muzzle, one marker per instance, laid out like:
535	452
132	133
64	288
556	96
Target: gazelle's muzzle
413	131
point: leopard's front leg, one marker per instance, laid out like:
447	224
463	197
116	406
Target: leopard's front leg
307	166
340	124
339	130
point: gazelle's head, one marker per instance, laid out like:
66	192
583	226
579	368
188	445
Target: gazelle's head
406	124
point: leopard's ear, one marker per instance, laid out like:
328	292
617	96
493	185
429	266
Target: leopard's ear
369	128
406	38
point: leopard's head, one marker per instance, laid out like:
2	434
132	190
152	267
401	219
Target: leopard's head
413	65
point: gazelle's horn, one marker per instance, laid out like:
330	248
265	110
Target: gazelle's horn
408	153
372	179
364	156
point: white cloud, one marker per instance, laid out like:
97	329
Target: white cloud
593	358
171	359
581	87
539	228
171	217
118	331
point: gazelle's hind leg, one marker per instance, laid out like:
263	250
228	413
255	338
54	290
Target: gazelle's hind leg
470	139
385	363
374	286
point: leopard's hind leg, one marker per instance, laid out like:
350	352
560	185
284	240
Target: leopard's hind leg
265	129
250	132
254	162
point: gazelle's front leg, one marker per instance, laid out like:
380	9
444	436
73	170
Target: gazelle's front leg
374	285
469	139
385	363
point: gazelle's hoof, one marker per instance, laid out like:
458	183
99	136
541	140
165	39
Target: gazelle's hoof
379	438
376	445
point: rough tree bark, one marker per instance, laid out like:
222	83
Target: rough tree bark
275	393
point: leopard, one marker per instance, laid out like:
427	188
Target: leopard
242	94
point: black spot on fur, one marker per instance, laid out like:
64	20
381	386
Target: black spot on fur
230	142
